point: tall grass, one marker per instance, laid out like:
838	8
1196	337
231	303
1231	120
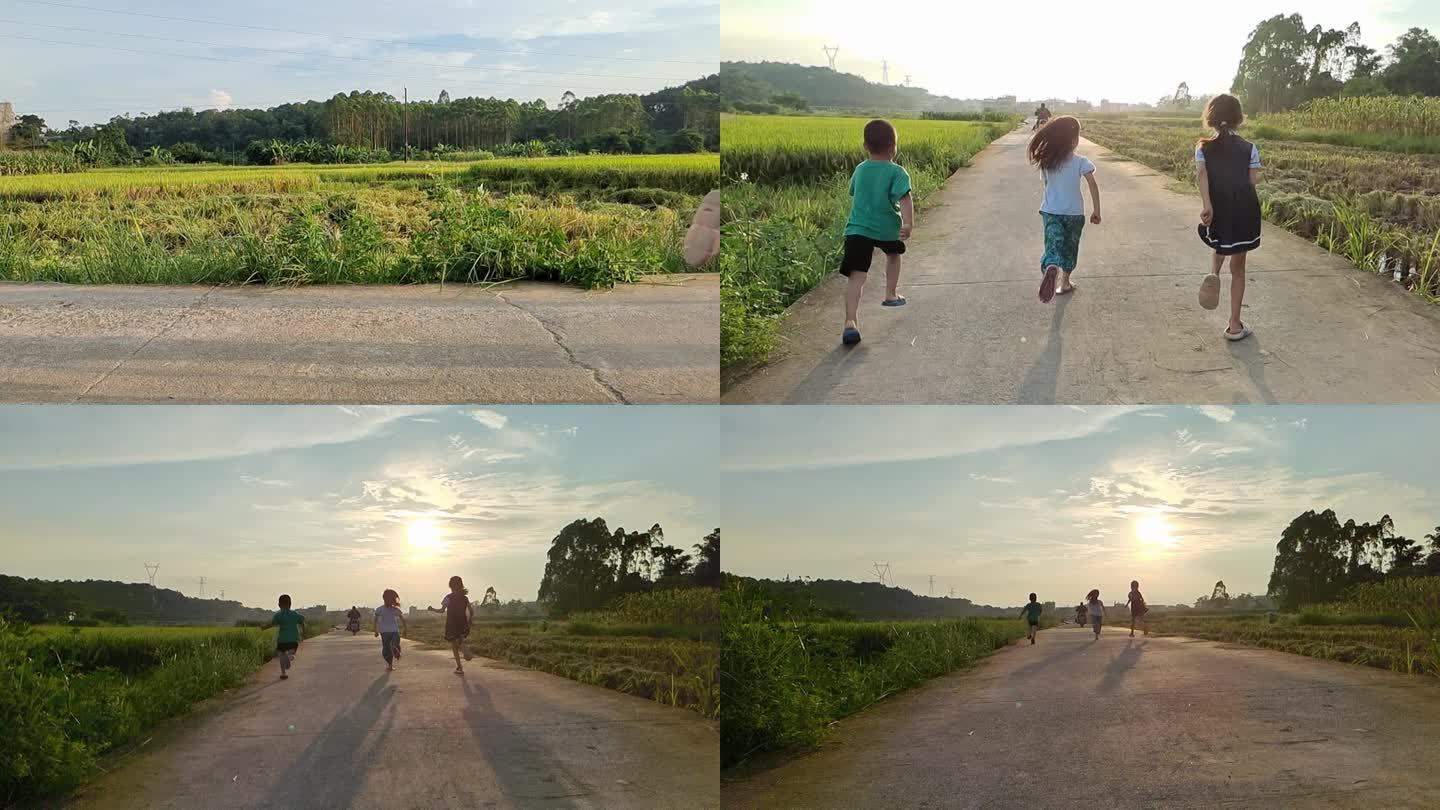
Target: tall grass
693	174
786	679
775	148
15	163
1385	115
69	696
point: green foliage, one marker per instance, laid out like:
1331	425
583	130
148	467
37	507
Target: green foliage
71	695
786	678
38	161
588	567
666	606
771	86
693	174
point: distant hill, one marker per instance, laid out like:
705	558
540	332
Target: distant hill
744	84
868	600
39	600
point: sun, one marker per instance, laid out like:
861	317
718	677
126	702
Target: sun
1153	530
424	537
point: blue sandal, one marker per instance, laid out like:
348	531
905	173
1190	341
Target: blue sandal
850	336
897	301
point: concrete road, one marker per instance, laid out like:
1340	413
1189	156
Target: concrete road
654	342
973	331
1128	723
342	733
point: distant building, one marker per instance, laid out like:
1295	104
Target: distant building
414	611
7	120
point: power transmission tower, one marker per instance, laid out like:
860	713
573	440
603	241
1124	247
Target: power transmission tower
831	53
222	594
882	572
152	570
405	114
907	80
884	72
202	587
952	593
931	590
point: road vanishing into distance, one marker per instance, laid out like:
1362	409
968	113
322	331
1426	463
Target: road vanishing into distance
511	343
974	332
343	733
1127	723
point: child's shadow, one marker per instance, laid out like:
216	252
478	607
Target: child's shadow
1043	378
1121	665
1250	355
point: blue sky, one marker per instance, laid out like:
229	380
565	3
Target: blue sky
536	49
999	502
1126	50
335	504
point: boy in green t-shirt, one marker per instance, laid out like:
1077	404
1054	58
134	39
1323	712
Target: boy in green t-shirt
881	216
1032	613
287	641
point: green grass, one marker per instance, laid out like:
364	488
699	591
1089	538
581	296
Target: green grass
782	226
786	679
676	665
588	221
70	696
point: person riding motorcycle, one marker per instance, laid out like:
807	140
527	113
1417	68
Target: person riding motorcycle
354	616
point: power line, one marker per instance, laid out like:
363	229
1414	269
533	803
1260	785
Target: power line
313	54
302	69
355	38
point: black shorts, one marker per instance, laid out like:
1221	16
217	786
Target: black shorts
1035	625
860	249
287	646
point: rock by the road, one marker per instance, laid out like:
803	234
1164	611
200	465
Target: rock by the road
1127	723
342	733
514	343
973	331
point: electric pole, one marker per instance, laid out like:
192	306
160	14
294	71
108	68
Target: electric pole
830	54
405	114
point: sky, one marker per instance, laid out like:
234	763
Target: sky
1123	50
333	505
130	63
997	502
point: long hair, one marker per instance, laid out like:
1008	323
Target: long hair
1093	595
458	584
390	598
1055	142
1223	114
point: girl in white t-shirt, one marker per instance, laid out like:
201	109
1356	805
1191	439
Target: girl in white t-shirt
1063	212
389	627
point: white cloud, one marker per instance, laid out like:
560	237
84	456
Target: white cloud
1219	413
491	419
992	479
46	437
221	100
267	482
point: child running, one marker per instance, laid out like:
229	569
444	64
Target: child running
287	641
1227	167
1137	608
1096	609
1063	211
389	627
881	215
1032	612
458	615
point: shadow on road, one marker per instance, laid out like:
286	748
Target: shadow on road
331	772
1121	664
524	770
1248	352
1041	380
826	374
1046	661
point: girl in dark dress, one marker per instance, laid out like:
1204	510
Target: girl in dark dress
1227	169
458	616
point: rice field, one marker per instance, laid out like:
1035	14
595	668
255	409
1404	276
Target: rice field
774	148
592	221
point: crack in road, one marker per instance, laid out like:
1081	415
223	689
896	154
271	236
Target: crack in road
193	306
614	393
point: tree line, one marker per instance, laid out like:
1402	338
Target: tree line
676	119
1318	558
589	566
97	600
1284	63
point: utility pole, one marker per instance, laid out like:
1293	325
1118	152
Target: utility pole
884	72
831	53
405	114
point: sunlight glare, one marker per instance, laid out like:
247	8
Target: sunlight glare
424	537
1153	530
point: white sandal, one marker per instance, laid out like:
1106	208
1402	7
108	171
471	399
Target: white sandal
1244	332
